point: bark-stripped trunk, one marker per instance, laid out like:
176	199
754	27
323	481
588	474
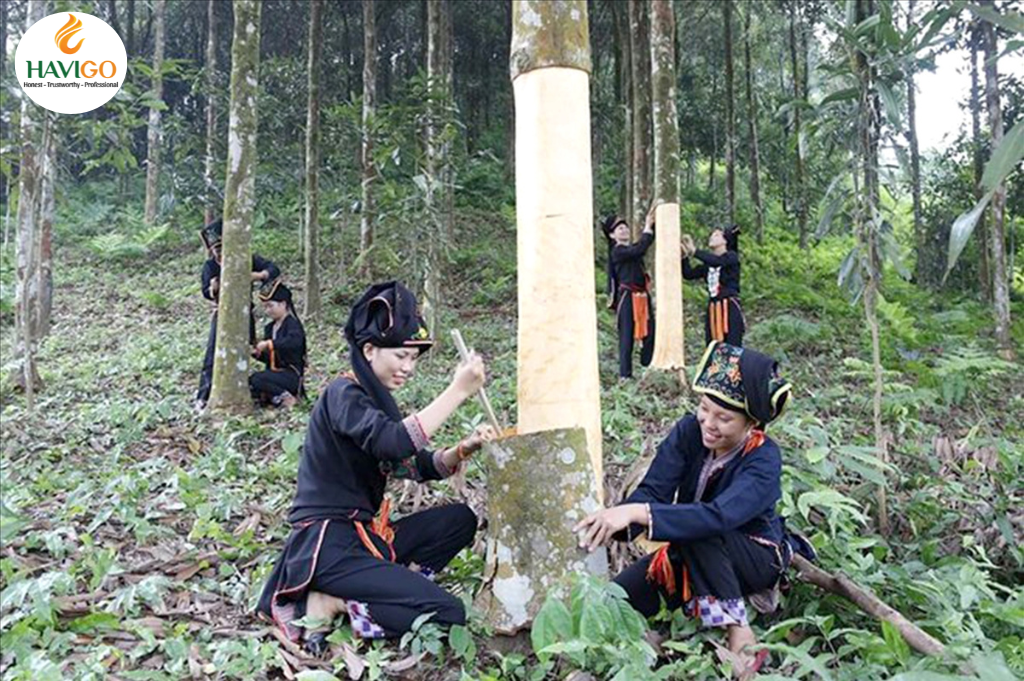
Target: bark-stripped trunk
641	83
755	151
555	462
550	63
730	115
211	111
312	227
154	134
668	277
1000	281
366	158
231	361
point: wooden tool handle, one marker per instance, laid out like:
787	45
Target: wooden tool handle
464	354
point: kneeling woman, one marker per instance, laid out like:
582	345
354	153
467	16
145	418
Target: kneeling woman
710	493
343	553
283	350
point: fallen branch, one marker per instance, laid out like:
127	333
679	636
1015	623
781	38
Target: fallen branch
841	585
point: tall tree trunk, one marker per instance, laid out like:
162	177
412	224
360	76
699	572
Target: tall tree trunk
915	154
550	64
730	115
799	200
48	205
154	134
211	111
27	255
369	99
668	276
622	15
1000	281
312	250
435	162
984	271
868	196
130	46
231	362
640	57
755	152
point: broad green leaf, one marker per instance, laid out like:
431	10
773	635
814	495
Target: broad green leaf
992	667
10	523
891	104
841	96
962	229
816	454
1014	21
553	623
1005	158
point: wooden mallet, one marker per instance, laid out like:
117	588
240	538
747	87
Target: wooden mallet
482	394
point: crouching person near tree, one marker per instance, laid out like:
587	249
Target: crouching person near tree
343	553
283	350
711	493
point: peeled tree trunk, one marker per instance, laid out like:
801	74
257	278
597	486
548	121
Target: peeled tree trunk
154	134
311	232
231	361
668	276
557	338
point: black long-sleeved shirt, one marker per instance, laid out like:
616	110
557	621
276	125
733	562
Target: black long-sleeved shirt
628	264
287	347
211	269
722	273
351	448
742	496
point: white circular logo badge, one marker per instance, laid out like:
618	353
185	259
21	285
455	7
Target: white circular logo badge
71	62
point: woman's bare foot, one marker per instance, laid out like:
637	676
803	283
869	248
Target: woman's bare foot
322	608
288	401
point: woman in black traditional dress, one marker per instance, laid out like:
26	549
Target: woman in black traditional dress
710	493
283	350
720	268
343	553
629	290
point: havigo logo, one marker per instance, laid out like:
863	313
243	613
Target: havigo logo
65	34
89	79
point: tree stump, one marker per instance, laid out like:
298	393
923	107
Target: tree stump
539	486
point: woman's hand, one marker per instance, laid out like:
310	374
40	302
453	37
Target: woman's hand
688	246
597	528
469	375
470	446
260	347
649	221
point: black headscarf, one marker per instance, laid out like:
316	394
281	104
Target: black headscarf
386	317
732	237
277	291
212	234
743	380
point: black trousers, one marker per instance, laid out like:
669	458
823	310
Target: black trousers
726	567
723	320
266	385
624	319
206	377
396	595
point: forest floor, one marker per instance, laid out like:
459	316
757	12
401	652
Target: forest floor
137	534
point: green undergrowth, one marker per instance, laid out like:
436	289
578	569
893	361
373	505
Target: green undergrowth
137	534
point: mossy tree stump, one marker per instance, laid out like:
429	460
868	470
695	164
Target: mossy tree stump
539	486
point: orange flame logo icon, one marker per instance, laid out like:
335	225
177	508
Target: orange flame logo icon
66	33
